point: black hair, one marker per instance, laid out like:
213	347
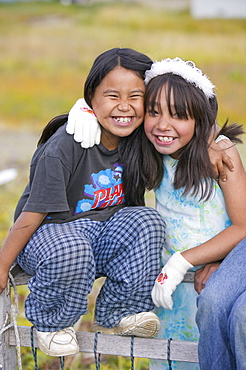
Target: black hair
194	170
52	127
143	168
107	61
131	148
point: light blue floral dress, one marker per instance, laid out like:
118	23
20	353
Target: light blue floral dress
189	222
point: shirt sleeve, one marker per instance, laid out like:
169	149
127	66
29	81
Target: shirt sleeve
48	186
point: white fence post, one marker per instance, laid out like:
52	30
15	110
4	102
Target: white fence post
7	352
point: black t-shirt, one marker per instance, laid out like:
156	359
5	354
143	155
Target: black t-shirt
69	182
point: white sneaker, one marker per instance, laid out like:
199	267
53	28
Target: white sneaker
143	324
58	343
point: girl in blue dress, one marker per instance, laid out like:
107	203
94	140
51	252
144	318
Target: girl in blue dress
204	218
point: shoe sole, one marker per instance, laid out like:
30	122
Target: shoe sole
144	329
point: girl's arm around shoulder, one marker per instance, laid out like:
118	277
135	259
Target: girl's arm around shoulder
24	227
234	191
220	160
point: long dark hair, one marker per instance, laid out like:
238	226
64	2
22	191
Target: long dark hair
194	170
131	149
107	61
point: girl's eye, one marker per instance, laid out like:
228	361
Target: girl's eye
153	112
183	117
136	96
113	96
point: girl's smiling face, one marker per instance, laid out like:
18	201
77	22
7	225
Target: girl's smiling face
166	131
118	103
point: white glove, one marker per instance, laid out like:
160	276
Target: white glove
171	275
83	124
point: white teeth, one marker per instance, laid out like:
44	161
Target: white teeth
165	138
123	119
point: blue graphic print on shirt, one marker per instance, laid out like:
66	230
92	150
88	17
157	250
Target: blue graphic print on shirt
106	190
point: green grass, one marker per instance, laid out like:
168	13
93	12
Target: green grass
46	52
47	49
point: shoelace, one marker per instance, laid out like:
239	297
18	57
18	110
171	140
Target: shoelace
66	331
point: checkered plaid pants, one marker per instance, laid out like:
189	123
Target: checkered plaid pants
65	259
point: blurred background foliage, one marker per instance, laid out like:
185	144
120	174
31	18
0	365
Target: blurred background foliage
46	51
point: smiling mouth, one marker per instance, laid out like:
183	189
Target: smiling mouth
165	139
122	119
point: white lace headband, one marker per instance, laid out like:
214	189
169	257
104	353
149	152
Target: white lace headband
185	69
